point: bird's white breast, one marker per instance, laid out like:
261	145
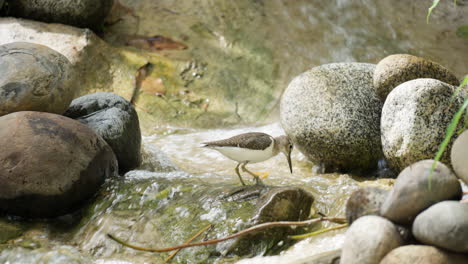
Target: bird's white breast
250	155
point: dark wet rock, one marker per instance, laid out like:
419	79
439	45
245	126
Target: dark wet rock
459	156
62	254
329	257
411	193
365	201
421	254
79	13
415	117
49	164
369	239
399	68
34	78
9	231
332	114
444	225
154	159
115	120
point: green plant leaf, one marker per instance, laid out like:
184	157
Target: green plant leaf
429	11
462	31
459	88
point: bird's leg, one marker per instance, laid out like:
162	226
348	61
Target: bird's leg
238	174
257	179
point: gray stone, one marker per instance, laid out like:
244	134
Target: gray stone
415	117
399	68
34	78
415	190
115	120
459	155
444	225
368	240
365	201
332	114
49	164
79	13
421	254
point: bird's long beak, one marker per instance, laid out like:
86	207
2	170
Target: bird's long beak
288	157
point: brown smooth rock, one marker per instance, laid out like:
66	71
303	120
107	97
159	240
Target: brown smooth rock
49	164
421	254
459	157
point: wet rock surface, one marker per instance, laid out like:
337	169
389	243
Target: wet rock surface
36	147
368	240
79	13
399	68
365	201
412	185
420	254
115	120
332	114
459	155
62	254
415	117
34	78
444	225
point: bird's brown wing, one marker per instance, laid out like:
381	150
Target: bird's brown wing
252	140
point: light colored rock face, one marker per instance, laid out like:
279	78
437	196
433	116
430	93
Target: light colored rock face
332	114
49	164
368	240
399	68
459	156
419	254
80	13
411	194
415	117
444	225
365	201
34	78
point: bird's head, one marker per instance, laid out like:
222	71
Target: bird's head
285	146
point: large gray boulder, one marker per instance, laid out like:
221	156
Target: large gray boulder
444	225
115	120
416	189
396	69
459	156
49	164
34	77
415	117
79	13
332	114
422	254
368	240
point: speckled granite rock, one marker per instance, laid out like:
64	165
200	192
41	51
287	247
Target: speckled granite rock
459	156
415	117
420	254
411	194
399	68
365	201
444	225
368	240
332	114
79	13
115	120
34	77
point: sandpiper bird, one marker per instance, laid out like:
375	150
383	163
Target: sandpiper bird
252	148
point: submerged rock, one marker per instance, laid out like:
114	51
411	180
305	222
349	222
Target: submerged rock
396	69
415	117
421	254
49	164
63	254
459	156
115	120
80	13
34	78
444	225
368	240
365	201
415	190
332	114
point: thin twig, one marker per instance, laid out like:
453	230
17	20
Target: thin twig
188	241
240	233
318	232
